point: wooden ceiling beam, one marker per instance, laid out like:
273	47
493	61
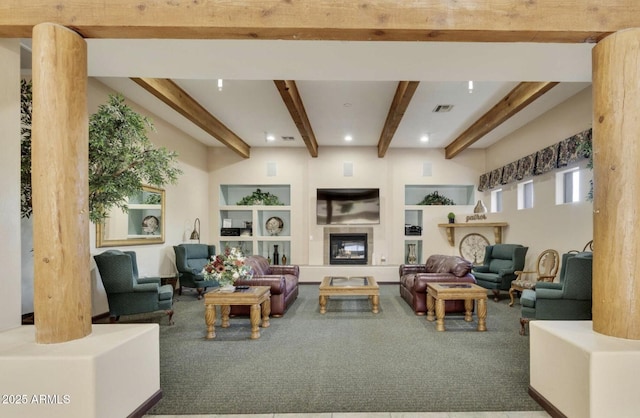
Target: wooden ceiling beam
291	97
401	100
386	20
180	101
517	99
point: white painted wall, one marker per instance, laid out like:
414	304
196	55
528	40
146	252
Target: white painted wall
561	227
389	174
9	183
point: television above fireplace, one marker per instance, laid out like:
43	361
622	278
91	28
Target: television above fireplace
347	206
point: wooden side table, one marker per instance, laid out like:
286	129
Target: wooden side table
255	296
437	293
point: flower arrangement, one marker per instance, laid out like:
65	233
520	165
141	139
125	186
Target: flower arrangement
227	267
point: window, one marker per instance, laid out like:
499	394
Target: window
568	186
525	195
496	200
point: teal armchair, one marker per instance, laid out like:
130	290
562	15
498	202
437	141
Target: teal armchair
567	299
127	293
501	261
190	260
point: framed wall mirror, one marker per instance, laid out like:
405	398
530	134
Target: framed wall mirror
142	224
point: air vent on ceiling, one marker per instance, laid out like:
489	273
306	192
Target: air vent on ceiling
288	138
442	108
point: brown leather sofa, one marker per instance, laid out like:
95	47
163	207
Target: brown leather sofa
438	268
282	279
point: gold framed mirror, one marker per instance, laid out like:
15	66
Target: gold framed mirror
142	224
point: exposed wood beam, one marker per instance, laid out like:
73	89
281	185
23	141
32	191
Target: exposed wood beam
399	105
180	101
517	99
388	20
289	92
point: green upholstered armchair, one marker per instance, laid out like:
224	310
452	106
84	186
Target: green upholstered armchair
501	261
127	293
568	299
190	260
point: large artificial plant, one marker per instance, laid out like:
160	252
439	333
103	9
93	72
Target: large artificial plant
121	157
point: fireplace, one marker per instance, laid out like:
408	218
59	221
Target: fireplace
348	248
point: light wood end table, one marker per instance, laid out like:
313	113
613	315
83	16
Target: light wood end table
437	293
255	296
345	286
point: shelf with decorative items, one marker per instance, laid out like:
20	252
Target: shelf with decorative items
144	214
413	222
256	217
422	203
144	220
413	251
451	229
277	251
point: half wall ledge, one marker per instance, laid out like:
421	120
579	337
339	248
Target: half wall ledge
112	372
582	373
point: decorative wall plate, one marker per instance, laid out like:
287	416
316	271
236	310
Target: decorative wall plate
274	225
150	224
472	247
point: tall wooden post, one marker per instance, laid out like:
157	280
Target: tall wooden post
616	145
60	152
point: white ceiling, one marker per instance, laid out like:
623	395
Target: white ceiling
346	87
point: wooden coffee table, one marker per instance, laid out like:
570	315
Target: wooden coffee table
437	293
346	286
255	296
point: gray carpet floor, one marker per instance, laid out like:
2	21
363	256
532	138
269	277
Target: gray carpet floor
347	360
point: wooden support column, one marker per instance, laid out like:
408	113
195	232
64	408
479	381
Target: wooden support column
616	228
60	153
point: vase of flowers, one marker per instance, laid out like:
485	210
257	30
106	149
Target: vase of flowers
226	268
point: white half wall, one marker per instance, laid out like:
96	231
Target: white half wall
10	183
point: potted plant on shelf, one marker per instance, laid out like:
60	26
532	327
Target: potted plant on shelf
436	199
452	217
260	198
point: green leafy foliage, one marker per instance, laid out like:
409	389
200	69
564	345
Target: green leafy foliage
121	157
260	198
436	199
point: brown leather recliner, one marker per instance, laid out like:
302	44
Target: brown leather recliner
283	280
438	268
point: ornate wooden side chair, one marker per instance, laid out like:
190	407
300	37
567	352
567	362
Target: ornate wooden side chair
546	271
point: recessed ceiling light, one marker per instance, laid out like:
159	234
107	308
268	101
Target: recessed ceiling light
424	138
348	138
470	86
219	84
270	137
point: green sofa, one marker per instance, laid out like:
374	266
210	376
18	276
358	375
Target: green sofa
501	261
190	260
567	299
